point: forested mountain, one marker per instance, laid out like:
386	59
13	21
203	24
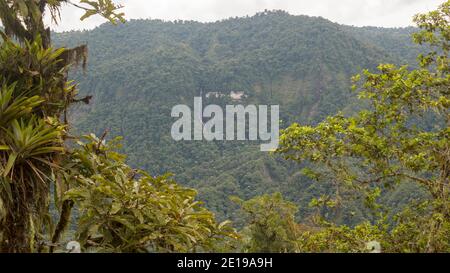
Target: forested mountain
139	70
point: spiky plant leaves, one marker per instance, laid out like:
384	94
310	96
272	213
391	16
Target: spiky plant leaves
26	166
4	148
34	95
31	140
15	107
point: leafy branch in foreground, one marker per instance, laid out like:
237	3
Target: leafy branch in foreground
24	19
402	137
126	210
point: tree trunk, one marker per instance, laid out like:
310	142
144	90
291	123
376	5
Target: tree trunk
16	239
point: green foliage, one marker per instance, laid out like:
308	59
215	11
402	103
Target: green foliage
15	108
340	239
435	33
120	209
139	70
271	224
272	228
400	139
34	93
24	19
105	8
385	144
126	210
37	74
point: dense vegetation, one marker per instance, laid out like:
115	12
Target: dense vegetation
119	208
139	70
359	170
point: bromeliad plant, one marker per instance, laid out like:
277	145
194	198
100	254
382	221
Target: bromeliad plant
120	209
34	97
33	94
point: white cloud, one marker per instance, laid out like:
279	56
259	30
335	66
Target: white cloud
387	13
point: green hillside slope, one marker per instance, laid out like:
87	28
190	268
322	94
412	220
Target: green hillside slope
138	71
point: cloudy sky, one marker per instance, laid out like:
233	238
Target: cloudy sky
386	13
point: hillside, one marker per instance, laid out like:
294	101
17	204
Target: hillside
138	71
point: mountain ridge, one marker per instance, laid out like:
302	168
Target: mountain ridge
139	70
